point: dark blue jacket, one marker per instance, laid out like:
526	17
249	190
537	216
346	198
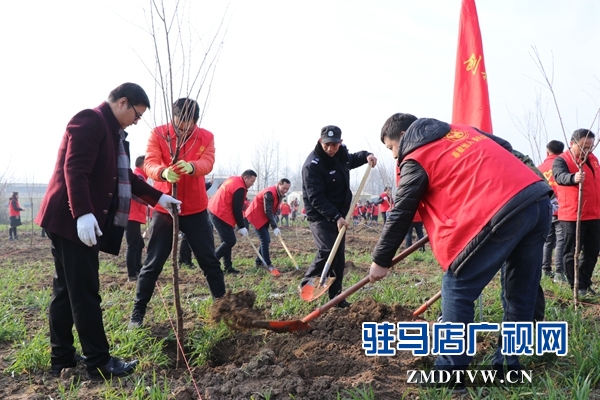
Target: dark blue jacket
326	182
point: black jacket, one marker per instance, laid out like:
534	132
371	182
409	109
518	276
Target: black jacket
268	204
414	183
326	182
561	172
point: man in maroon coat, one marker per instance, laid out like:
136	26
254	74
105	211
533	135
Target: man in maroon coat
85	210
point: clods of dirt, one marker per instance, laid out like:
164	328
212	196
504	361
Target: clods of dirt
315	366
236	310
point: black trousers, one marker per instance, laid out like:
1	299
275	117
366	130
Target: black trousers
228	239
590	246
200	238
324	234
185	252
76	300
135	246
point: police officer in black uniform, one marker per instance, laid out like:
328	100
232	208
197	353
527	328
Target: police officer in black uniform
327	197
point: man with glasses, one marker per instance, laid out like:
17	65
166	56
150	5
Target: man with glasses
327	197
567	176
85	210
195	160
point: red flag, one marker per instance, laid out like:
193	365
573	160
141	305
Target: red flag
471	97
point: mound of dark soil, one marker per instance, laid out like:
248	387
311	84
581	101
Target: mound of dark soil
316	365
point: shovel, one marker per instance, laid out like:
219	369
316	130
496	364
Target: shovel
288	252
315	287
427	304
302	324
274	271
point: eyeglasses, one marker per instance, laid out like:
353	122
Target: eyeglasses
138	116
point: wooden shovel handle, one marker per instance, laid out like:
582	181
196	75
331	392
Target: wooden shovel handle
342	231
427	304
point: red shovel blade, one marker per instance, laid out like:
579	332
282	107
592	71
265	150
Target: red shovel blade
273	271
312	290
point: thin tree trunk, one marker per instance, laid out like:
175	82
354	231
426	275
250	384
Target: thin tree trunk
179	334
577	242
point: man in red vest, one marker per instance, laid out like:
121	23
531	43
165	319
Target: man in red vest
567	176
482	208
195	161
225	211
556	240
261	213
285	211
385	202
133	234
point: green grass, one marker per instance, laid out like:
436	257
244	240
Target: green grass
26	295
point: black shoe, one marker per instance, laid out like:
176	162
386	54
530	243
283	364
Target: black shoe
187	265
560	278
56	369
343	304
586	292
137	319
548	273
113	368
231	270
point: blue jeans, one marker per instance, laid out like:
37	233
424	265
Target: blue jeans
418	227
265	241
519	243
556	242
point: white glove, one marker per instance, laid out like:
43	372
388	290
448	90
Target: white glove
276	232
554	204
166	202
243	231
87	229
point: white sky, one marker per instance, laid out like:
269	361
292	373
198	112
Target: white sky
289	68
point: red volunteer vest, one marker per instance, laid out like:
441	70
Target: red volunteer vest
255	213
285	209
568	195
385	205
221	204
546	169
137	210
463	193
191	190
12	212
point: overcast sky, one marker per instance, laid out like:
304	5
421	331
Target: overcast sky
289	68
